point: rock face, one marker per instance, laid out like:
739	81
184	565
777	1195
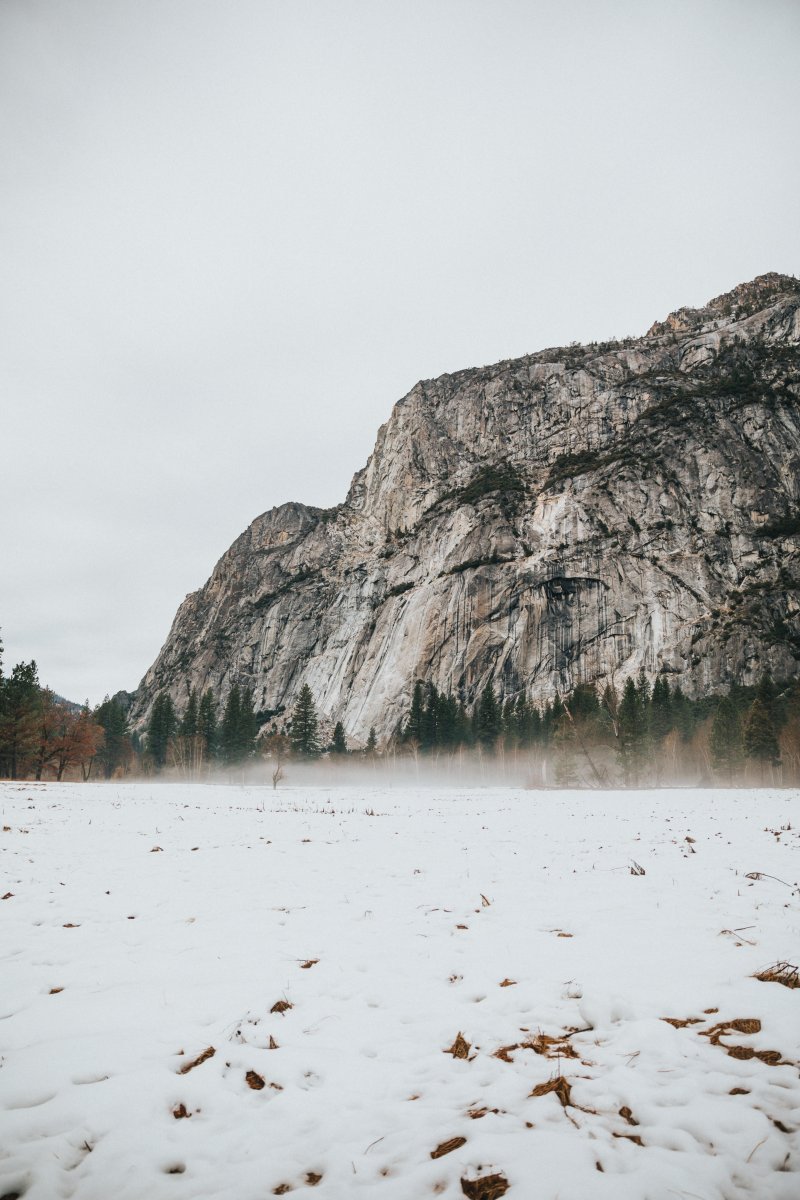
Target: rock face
564	517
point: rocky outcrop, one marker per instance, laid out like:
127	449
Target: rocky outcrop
563	517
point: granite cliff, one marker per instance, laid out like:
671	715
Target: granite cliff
566	516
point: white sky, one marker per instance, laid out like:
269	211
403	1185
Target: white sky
234	232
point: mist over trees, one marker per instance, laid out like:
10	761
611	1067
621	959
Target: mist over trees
642	734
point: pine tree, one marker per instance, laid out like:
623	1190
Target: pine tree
414	725
463	726
304	725
207	724
760	736
248	727
429	731
632	732
371	748
726	738
447	722
229	730
509	722
239	727
339	743
682	714
488	719
190	719
18	718
161	728
660	709
116	750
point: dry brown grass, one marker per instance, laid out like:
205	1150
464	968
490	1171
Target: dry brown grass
281	1006
255	1081
781	972
460	1047
208	1053
551	1047
488	1187
559	1086
448	1147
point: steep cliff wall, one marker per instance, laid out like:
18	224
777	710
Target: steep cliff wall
562	517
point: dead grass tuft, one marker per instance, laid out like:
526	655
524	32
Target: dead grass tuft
281	1006
739	1092
308	964
559	1085
255	1081
208	1053
488	1187
477	1113
312	1178
682	1022
550	1047
273	1045
448	1147
460	1047
180	1112
781	972
508	983
628	1116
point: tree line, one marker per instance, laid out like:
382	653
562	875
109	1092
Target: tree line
43	736
646	733
203	737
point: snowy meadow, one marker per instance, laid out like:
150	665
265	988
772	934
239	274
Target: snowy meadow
212	991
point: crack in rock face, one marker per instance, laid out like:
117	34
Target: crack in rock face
568	516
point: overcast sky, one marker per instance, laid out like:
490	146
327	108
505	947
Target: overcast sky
234	232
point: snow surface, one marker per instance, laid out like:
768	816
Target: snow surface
122	963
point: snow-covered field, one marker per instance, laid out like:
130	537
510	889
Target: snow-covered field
154	933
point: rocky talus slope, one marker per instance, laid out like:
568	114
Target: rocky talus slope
562	517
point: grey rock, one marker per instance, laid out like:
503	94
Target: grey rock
568	516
